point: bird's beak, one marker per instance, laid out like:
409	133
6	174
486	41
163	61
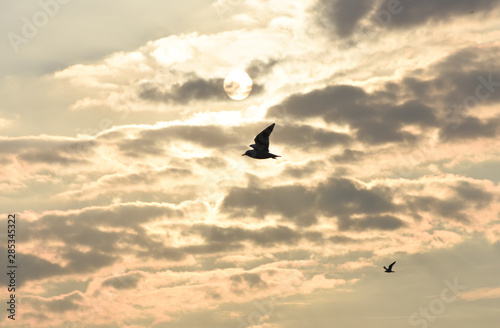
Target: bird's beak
243	155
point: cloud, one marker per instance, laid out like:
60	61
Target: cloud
381	222
451	208
307	137
291	201
35	268
47	149
152	219
349	155
82	262
70	302
480	294
207	136
265	237
155	141
252	279
195	89
340	196
372	121
473	193
48	157
470	128
334	197
127	281
258	68
342	15
303	171
421	12
406	112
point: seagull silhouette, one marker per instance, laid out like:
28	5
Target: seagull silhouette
389	270
261	146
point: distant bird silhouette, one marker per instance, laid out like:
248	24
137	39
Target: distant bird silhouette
389	270
472	12
261	147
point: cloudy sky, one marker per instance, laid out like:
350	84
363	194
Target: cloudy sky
121	157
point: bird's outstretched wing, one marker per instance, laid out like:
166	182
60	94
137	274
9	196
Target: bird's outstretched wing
262	139
390	266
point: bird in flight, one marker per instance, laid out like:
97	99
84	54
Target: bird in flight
389	270
261	146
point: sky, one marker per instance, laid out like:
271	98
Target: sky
121	159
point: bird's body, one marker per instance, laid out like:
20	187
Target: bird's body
259	155
389	269
261	146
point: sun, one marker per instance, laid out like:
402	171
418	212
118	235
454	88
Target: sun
238	85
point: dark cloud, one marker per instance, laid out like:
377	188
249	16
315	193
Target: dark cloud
412	113
341	197
290	201
211	248
460	81
379	222
138	148
381	132
355	206
442	99
157	250
342	16
349	156
252	279
211	162
35	268
373	122
303	171
307	137
123	215
126	281
48	157
266	236
314	236
409	14
85	228
48	150
465	196
445	208
334	197
144	177
82	262
258	68
59	305
207	136
470	128
340	239
319	102
68	303
473	193
196	89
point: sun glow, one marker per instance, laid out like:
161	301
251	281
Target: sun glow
238	85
